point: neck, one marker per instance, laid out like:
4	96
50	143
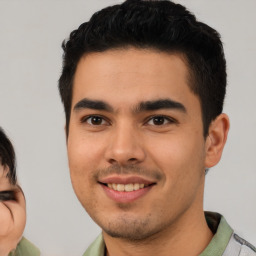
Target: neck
189	236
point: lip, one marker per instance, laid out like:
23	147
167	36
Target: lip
126	197
126	180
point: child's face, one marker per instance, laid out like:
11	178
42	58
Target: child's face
12	214
4	181
7	192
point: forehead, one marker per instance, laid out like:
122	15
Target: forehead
131	75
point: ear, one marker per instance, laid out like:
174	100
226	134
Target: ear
216	140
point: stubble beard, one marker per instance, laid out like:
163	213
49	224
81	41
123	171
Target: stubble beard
126	226
134	230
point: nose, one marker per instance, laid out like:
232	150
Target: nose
125	146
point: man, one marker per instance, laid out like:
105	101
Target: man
12	206
143	85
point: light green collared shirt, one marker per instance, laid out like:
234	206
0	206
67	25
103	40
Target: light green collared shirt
216	247
25	248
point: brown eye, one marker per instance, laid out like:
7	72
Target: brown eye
95	120
158	120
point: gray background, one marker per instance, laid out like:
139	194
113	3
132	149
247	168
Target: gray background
31	33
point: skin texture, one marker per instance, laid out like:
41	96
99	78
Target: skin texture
12	215
125	141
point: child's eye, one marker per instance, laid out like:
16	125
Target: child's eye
7	195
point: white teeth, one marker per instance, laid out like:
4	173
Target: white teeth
136	186
128	187
120	187
125	187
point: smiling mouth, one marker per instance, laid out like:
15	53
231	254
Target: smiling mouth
126	187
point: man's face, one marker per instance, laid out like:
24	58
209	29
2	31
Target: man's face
136	126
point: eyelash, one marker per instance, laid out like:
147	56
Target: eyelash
166	118
86	118
151	118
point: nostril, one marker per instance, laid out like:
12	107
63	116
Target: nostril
112	161
132	160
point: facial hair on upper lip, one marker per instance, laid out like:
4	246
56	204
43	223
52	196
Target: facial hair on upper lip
154	175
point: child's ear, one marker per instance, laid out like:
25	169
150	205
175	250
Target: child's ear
216	139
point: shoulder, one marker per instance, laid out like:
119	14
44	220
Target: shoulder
238	246
25	248
97	248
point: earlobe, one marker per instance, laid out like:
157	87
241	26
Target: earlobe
216	140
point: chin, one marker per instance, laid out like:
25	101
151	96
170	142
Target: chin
131	235
132	229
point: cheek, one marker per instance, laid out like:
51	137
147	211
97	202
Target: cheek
173	149
182	162
85	156
80	169
83	151
179	157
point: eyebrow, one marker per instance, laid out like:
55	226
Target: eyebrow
160	104
93	104
143	106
